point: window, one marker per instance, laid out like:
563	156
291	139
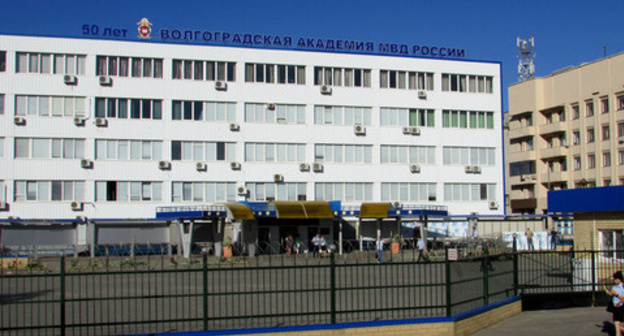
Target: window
50	63
1	103
590	135
575	111
123	191
606	182
118	66
406	80
49	148
274	73
260	191
521	168
604	105
467	83
621	157
407	117
350	154
611	243
606	134
204	70
620	130
577	163
46	191
203	111
469	192
589	108
274	152
203	151
128	149
591	161
470	119
620	101
468	156
606	159
124	108
203	192
47	106
408	192
407	154
342	115
2	61
346	192
576	137
347	77
281	114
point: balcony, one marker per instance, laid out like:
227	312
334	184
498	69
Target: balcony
522	156
554	177
556	127
521	204
522	132
554	152
522	179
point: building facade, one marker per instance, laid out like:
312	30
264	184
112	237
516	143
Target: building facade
114	129
566	131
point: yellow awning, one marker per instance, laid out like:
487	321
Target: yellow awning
303	209
374	210
239	211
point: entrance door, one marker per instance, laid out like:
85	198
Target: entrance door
284	232
264	241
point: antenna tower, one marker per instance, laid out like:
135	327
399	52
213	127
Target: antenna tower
526	68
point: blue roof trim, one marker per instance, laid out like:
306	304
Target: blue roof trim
347	325
586	199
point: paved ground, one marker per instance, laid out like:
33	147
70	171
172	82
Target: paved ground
570	322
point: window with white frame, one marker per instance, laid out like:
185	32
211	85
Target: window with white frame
408	192
620	101
344	191
606	132
203	111
270	191
604	105
342	115
128	191
274	152
468	119
275	113
347	77
469	191
49	148
407	154
412	80
204	70
469	156
575	111
210	151
591	161
49	191
128	149
407	117
50	63
621	157
620	130
274	73
124	108
589	108
611	243
577	163
50	106
342	153
467	83
590	135
139	67
203	192
2	60
576	137
606	159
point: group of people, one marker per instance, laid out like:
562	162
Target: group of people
421	246
553	239
318	245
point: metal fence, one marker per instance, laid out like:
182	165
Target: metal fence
148	294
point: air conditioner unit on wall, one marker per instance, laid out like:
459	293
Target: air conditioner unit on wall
493	205
326	89
468	169
270	106
70	79
415	168
241	190
415	131
422	94
317	167
359	130
407	130
20	121
76	206
235	165
201	166
221	85
86	163
4	206
234	127
304	166
278	178
79	121
105	80
101	122
164	165
476	169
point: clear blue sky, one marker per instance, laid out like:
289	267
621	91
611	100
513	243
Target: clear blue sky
566	32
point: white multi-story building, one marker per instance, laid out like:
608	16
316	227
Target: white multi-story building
113	129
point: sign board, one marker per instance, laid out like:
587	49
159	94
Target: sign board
452	254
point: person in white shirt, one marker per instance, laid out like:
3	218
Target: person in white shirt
617	297
379	244
422	250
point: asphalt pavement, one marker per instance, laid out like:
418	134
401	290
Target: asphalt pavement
570	322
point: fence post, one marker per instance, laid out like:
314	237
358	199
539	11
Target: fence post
205	289
486	275
447	265
62	297
593	277
515	266
332	259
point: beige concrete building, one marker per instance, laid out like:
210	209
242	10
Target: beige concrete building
566	131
